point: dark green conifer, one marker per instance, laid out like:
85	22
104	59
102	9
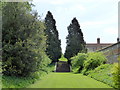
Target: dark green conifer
75	40
53	42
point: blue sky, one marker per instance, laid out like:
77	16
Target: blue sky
97	18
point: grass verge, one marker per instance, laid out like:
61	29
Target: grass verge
23	82
103	74
63	58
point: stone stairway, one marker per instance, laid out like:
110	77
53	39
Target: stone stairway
62	66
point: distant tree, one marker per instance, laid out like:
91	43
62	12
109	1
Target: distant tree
53	42
75	41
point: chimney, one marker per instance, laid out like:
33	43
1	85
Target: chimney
118	40
98	40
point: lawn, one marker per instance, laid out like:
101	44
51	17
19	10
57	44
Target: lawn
67	80
63	58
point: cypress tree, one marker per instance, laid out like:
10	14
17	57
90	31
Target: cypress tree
75	40
53	42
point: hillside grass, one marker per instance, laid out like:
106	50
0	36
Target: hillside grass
103	74
68	80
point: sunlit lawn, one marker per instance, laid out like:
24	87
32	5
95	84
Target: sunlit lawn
63	58
68	80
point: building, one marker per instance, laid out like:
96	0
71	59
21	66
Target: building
92	47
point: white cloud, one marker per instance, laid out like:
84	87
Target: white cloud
56	2
92	23
79	7
60	2
108	21
111	30
73	1
72	9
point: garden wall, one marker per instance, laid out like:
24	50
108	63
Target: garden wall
111	52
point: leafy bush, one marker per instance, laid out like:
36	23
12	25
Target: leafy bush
93	60
78	61
116	75
16	82
23	40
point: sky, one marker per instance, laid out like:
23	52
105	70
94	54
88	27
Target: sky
97	18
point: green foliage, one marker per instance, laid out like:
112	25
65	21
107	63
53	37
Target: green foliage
75	41
87	62
16	82
24	40
78	61
103	73
23	82
53	42
93	60
116	74
93	65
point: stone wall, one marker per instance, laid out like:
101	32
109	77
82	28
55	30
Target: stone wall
111	52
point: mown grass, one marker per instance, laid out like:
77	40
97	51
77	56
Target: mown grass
63	58
23	82
67	80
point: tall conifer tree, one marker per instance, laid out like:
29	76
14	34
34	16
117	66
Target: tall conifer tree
53	42
75	40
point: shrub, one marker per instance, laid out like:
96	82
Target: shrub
16	82
23	40
93	60
77	62
116	74
23	82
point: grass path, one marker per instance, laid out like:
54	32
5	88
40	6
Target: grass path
67	80
63	58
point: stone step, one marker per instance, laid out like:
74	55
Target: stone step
62	66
